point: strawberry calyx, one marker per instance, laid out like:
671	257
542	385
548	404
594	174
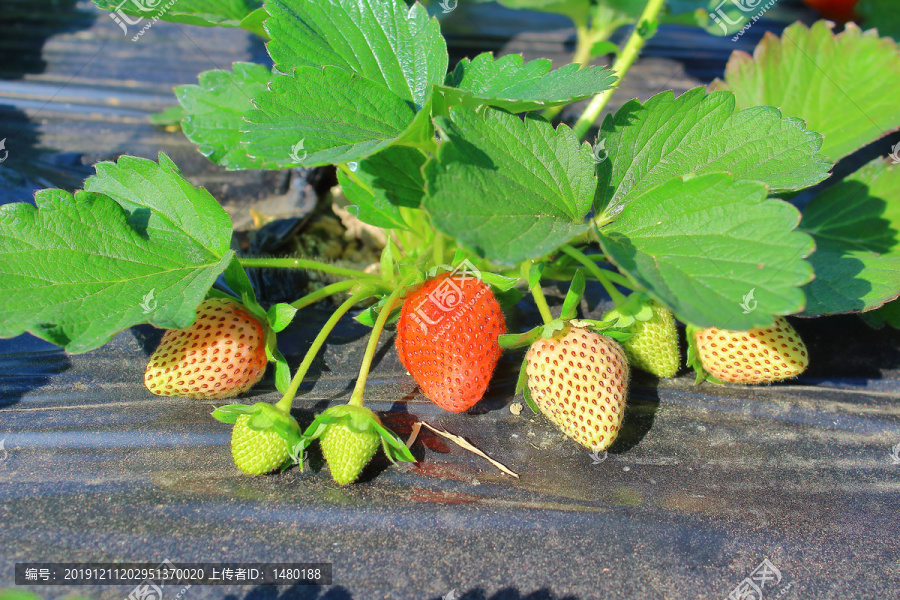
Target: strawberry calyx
556	327
266	417
560	327
359	419
693	356
637	307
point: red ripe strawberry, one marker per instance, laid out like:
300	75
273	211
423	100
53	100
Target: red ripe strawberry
221	355
839	10
579	380
447	339
760	355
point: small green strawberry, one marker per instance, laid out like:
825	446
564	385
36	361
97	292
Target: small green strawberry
759	355
349	437
579	380
263	438
256	452
347	452
653	345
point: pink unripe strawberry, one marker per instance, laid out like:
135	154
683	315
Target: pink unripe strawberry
579	380
221	355
760	355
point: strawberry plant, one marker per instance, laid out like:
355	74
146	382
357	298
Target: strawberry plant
680	209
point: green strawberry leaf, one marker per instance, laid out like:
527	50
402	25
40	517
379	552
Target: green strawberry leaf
214	112
648	144
700	245
280	316
293	126
254	22
156	246
207	13
385	42
170	116
506	188
573	296
807	65
382	183
160	201
889	314
855	224
510	84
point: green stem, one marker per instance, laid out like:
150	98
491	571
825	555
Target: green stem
541	302
617	297
284	405
618	279
623	63
584	42
356	399
328	290
300	263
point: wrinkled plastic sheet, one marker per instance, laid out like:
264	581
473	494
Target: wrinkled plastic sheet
703	484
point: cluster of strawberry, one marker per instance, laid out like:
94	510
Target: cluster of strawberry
577	376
